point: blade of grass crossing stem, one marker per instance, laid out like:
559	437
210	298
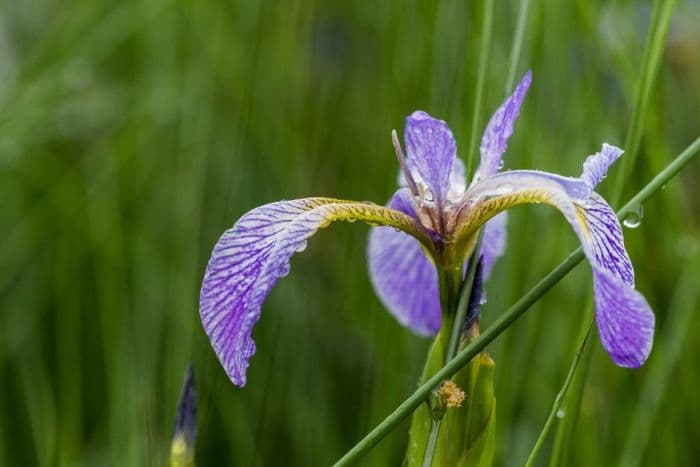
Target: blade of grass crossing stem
507	318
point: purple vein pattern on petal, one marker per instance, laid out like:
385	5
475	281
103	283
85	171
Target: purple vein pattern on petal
500	128
596	166
248	260
625	320
404	278
431	151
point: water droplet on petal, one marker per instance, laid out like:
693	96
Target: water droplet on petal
428	196
501	163
634	218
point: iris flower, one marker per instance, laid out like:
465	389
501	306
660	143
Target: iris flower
430	226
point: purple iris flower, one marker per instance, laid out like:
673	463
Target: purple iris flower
430	224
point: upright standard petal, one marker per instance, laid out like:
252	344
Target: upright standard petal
431	152
625	320
403	276
499	129
596	166
249	258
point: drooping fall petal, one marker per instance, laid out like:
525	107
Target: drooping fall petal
625	320
249	258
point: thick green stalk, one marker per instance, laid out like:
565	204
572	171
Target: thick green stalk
450	281
463	300
508	318
455	295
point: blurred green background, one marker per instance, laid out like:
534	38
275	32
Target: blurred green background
132	134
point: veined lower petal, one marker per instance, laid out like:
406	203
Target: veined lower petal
403	276
249	258
405	279
625	320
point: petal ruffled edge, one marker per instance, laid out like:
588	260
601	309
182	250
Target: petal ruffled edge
250	257
596	166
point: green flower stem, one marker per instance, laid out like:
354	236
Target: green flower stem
432	443
560	397
508	318
449	281
463	303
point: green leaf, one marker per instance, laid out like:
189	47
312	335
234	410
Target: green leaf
467	435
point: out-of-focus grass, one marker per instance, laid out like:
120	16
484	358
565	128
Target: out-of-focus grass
132	134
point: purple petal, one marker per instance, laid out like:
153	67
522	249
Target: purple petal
403	276
603	236
431	151
405	279
625	321
494	242
249	258
596	166
402	200
499	129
